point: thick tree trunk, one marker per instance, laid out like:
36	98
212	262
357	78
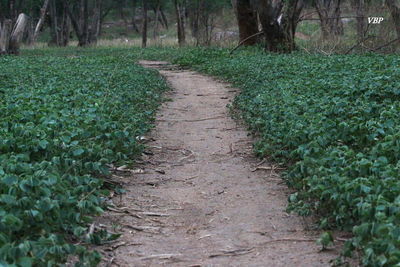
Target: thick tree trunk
144	24
395	13
279	21
41	20
5	30
180	23
247	21
329	16
17	34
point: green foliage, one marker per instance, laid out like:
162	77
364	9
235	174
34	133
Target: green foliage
63	119
335	122
325	240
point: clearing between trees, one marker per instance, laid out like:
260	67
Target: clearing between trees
201	198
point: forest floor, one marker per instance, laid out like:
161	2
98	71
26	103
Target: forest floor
200	197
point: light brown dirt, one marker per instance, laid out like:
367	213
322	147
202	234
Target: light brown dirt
211	207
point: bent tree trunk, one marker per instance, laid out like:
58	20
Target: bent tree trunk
279	21
41	20
329	16
5	30
247	21
9	42
395	13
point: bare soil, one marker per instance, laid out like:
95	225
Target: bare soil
198	199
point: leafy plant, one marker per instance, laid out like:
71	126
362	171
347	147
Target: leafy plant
63	119
335	122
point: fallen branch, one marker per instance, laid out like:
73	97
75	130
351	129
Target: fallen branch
382	46
155	214
161	256
267	168
236	252
141	228
288	240
124	211
243	41
360	42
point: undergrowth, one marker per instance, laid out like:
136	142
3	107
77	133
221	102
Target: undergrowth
64	117
335	122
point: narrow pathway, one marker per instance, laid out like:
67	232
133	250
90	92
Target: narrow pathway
197	199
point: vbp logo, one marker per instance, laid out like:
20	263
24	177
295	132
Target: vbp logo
375	20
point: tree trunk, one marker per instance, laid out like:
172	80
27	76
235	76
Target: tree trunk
180	23
144	26
59	23
17	34
5	30
359	6
88	25
157	13
247	21
194	11
395	13
329	16
41	20
135	27
164	19
279	21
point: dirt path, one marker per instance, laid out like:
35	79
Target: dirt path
209	208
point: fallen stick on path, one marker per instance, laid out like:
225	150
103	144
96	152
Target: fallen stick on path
267	168
236	252
161	256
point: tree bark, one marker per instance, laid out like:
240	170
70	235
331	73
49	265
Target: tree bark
279	21
87	26
5	30
17	34
359	6
41	20
135	27
247	21
180	23
329	15
164	18
144	24
157	14
395	14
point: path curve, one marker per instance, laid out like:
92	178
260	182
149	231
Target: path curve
199	201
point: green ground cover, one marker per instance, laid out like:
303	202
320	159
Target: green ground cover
65	115
335	122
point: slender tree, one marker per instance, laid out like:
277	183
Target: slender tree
394	7
329	16
180	22
144	24
360	9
